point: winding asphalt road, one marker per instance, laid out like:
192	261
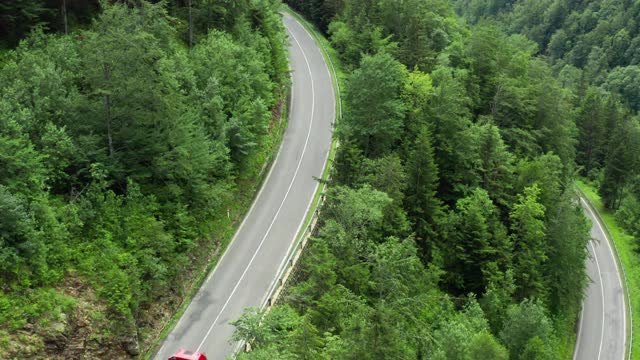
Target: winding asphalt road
603	321
250	264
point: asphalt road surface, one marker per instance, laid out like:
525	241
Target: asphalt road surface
246	271
603	321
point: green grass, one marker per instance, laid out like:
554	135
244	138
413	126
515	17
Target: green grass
627	255
566	339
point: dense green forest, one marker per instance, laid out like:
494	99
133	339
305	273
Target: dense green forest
594	49
130	130
451	228
126	140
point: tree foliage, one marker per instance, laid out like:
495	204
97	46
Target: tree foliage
594	47
375	111
121	149
450	228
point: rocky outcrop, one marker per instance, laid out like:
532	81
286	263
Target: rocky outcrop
56	336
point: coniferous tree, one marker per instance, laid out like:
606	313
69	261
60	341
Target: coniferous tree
591	124
495	164
530	249
453	141
423	206
567	237
622	161
374	117
474	245
527	330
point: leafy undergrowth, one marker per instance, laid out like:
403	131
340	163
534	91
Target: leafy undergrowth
627	251
60	322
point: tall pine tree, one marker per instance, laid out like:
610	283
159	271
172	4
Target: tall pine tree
422	204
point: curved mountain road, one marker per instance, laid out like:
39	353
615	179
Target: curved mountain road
250	264
602	329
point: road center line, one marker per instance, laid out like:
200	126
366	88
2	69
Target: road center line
264	300
595	257
306	142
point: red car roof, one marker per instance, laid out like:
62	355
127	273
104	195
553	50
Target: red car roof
183	354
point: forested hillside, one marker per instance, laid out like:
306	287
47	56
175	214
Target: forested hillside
451	228
133	135
131	140
594	49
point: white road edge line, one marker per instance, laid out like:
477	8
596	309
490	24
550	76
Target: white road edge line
264	185
615	263
304	149
244	220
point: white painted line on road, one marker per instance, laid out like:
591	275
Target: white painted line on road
295	174
264	300
615	263
595	256
264	185
575	351
244	220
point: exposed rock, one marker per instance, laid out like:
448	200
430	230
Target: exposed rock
131	345
56	335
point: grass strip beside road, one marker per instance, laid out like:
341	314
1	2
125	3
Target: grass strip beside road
628	256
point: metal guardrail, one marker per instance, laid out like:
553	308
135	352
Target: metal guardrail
294	254
621	266
287	267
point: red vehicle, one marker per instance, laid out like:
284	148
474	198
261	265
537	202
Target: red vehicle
183	354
